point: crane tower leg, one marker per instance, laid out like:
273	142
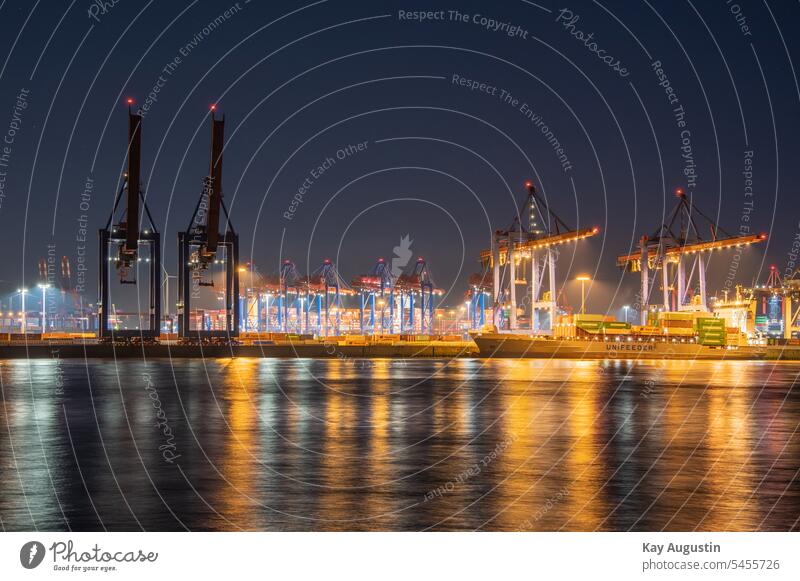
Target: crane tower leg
701	277
496	279
551	267
534	291
512	284
644	267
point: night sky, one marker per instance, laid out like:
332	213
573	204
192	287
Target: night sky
661	95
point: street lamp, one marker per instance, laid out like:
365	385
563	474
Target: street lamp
625	308
583	278
303	310
44	287
166	276
23	320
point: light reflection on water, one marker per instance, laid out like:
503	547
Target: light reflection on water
293	444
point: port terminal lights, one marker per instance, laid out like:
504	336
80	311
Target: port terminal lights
376	287
122	241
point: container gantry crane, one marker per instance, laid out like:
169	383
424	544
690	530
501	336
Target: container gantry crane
791	306
480	286
775	306
269	294
325	288
201	244
290	280
537	241
374	287
677	241
418	282
122	242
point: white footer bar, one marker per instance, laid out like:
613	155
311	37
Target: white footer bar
400	556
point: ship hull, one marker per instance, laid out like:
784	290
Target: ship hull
509	345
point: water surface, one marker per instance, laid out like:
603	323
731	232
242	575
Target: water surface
294	444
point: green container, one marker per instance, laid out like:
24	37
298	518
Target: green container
616	325
709	324
711	332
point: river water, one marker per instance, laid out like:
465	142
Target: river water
303	444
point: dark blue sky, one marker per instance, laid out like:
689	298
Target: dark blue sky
299	82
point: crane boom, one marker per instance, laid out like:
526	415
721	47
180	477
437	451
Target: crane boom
134	182
128	248
215	184
526	246
632	262
205	243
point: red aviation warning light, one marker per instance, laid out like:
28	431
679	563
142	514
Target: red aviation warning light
213	107
679	192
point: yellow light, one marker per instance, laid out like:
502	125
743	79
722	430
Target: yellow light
583	278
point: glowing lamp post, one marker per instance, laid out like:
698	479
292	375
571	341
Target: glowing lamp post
44	287
23	319
583	279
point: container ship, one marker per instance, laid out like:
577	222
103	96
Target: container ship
667	335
